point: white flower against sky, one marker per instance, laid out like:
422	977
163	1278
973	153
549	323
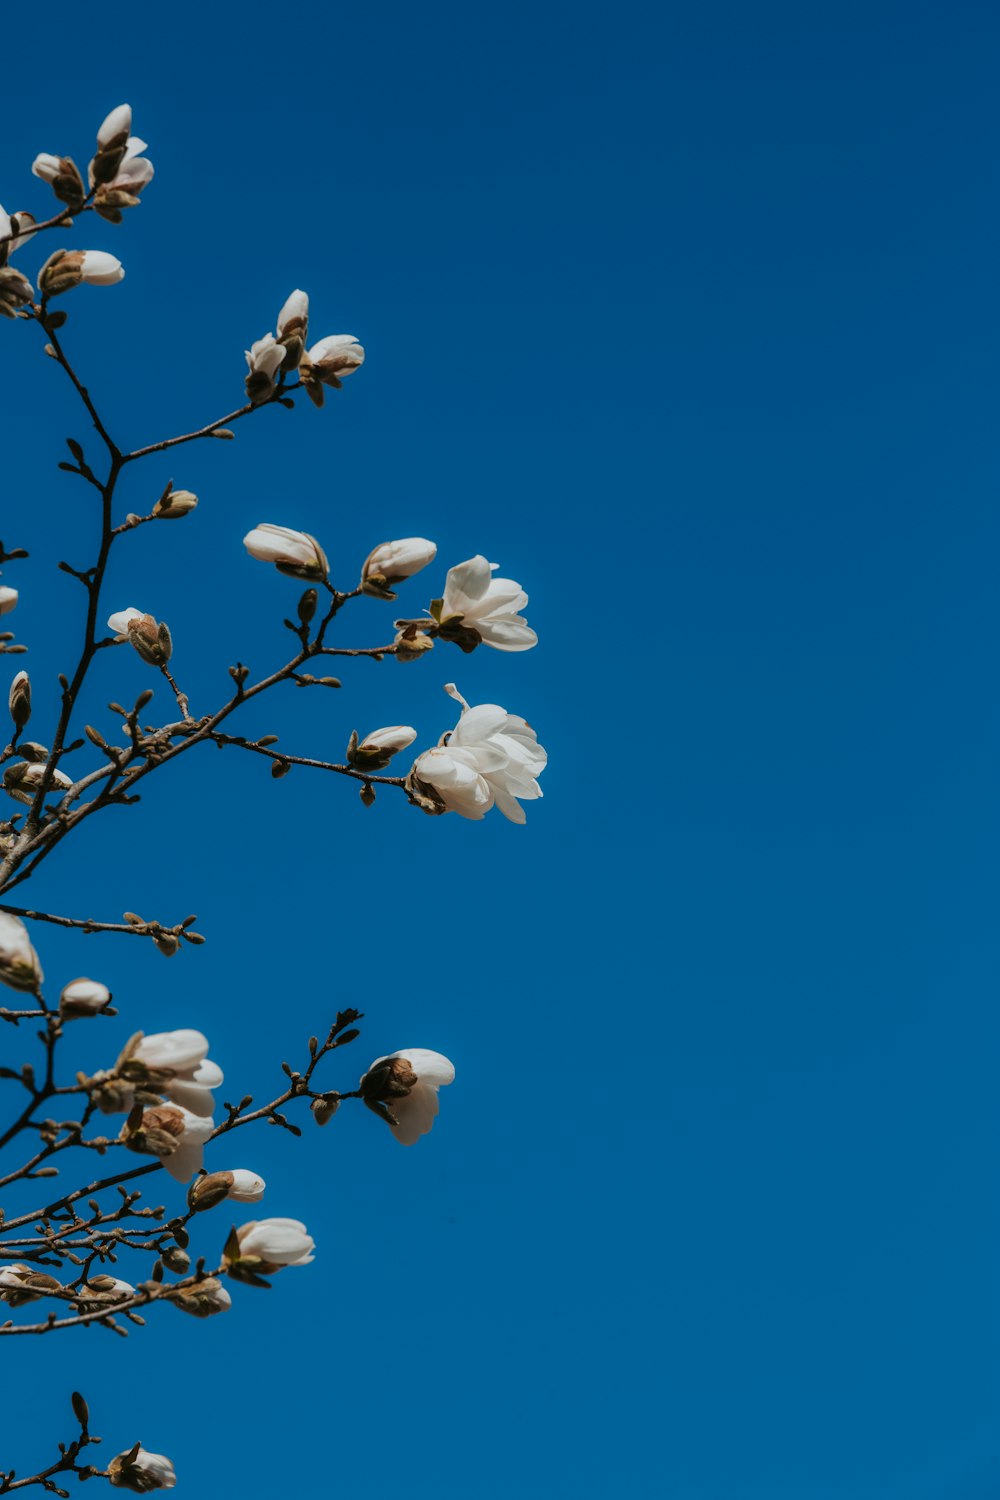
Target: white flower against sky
475	600
98	268
115	127
293	552
189	1075
8	599
277	1242
407	1082
390	562
83	997
141	1471
174	1134
19	965
490	758
293	318
264	357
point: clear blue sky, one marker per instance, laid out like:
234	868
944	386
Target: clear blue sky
687	316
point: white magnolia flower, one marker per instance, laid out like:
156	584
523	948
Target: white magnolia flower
377	749
407	1082
135	170
83	997
265	356
278	1242
46	166
293	552
453	776
8	599
141	1471
20	228
19	966
335	357
98	268
475	600
184	1056
175	1134
294	316
246	1187
390	562
117	124
120	622
490	757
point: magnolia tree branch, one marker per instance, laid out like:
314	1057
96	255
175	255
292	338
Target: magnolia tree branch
65	1251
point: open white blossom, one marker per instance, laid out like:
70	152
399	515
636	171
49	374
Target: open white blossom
141	1471
407	1083
183	1056
175	1134
490	758
277	1242
135	170
8	599
264	357
83	997
476	601
293	552
19	965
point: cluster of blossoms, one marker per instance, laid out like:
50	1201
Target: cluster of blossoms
326	363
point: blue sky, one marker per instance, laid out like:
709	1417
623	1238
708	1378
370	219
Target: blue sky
687	318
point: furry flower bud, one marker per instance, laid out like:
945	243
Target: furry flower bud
19	966
15	290
150	639
66	269
173	504
19	700
204	1298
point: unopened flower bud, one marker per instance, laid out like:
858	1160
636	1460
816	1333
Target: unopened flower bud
376	750
240	1185
150	639
15	291
68	268
23	779
264	359
141	1472
323	1110
203	1299
411	642
173	504
329	363
63	175
293	324
83	997
390	562
167	942
8	599
307	606
19	700
175	1259
293	552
